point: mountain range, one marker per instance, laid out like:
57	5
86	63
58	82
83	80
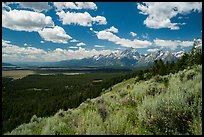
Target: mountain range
127	58
7	64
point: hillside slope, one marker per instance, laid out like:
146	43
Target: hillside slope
169	104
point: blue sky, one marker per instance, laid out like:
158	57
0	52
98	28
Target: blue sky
47	31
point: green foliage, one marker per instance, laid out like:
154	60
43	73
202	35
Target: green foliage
102	109
174	111
154	90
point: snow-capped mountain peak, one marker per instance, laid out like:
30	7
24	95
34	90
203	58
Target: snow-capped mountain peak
130	53
128	57
178	54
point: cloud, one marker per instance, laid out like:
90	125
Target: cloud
22	20
161	13
133	34
82	19
55	35
5	6
60	54
112	29
6	41
36	6
172	44
75	5
145	36
74	40
98	46
152	50
91	29
73	47
14	53
86	5
107	35
185	43
81	44
11	49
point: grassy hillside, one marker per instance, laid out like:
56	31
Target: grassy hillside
170	104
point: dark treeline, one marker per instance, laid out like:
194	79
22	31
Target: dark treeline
84	70
45	95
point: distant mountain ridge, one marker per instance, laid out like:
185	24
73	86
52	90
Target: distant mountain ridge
7	64
127	58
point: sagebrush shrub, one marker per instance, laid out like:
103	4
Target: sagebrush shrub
191	74
122	93
181	76
173	112
34	119
154	89
103	112
164	116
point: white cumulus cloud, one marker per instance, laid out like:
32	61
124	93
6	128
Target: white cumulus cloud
173	44
36	6
81	44
14	53
98	46
136	43
145	36
82	19
22	20
73	47
55	35
133	34
75	5
161	13
112	29
6	41
74	40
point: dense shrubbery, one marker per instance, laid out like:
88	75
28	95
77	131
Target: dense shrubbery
171	112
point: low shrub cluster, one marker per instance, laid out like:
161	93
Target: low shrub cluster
173	111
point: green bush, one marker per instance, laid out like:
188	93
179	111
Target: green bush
175	111
190	75
154	89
